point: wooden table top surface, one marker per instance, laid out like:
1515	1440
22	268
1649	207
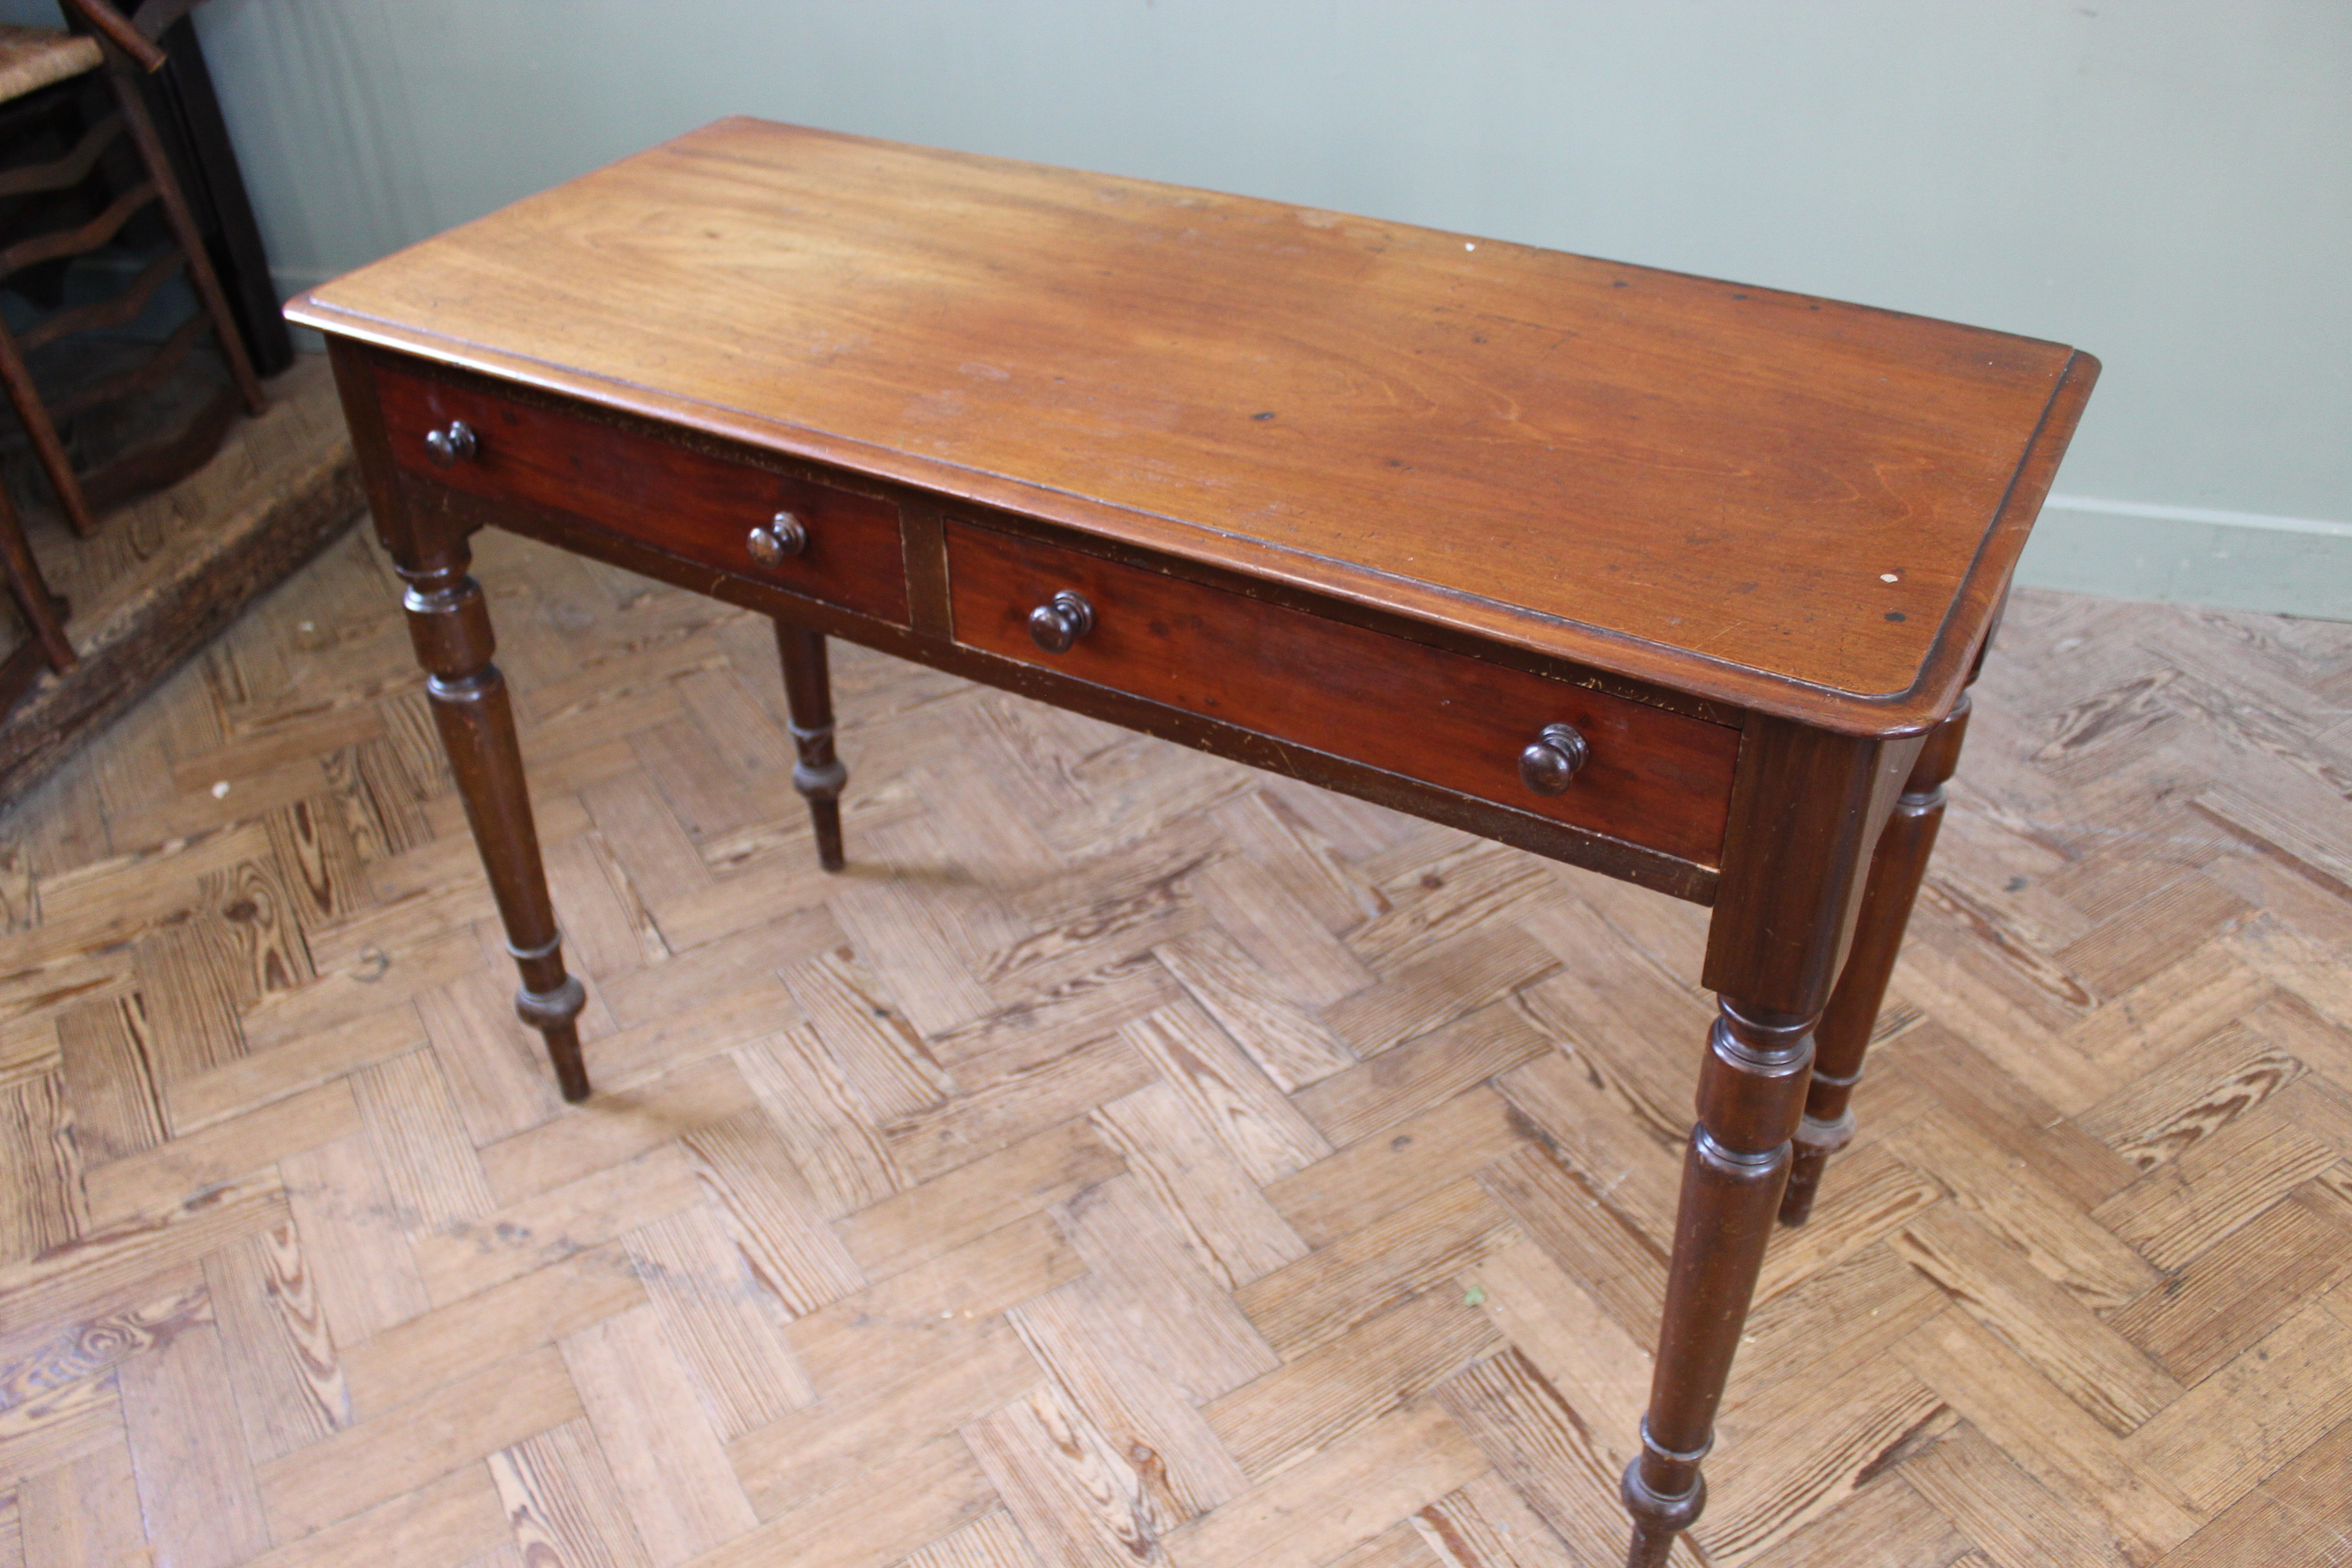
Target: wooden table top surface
1683	480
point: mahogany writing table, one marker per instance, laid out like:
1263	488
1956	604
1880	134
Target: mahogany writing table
1673	579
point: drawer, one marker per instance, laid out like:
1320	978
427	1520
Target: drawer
1654	778
688	502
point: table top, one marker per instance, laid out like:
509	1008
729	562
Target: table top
1798	506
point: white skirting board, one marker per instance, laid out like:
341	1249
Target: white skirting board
2194	555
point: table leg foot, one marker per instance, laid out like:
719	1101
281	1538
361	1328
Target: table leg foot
1896	869
552	1012
1659	1518
818	776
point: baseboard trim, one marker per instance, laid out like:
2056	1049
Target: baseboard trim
2260	519
2194	555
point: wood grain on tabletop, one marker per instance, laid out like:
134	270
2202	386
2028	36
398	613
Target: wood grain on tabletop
1789	504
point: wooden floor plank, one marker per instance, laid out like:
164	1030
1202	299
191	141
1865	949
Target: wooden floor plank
2006	1399
1341	1497
82	1512
477	1331
162	1177
991	1540
1229	1091
1374	1177
198	1490
46	1204
1320	1396
56	1287
456	1518
2098	1368
865	1423
1861	1420
1410	1079
290	1389
939	1215
1539	1443
1328	1292
2294	1516
1079	1502
459	1424
2278	1397
771	1211
64	1425
669	1464
468	1255
562	1503
1138	1256
2240	1288
899	1507
720	1319
2014	1521
1174	1153
1078	1337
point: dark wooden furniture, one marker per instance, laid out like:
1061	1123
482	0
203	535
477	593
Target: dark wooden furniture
45	645
29	58
1675	580
159	36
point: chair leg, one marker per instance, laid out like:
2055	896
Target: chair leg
47	446
31	592
184	226
18	377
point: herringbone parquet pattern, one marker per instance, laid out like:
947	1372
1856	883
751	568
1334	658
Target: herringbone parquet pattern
1133	1158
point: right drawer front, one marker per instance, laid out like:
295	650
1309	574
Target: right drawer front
1656	778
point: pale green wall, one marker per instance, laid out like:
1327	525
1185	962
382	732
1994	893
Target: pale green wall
2166	183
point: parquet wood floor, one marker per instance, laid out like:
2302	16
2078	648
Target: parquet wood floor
1133	1158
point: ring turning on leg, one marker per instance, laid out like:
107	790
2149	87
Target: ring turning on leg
818	776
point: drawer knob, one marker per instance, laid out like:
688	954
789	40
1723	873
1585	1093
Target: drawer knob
1555	758
455	444
1062	620
784	536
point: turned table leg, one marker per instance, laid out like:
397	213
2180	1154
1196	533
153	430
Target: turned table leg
1806	807
1895	872
819	775
450	622
1751	1090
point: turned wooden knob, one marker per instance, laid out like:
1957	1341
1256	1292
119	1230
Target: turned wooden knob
783	536
1553	759
452	444
1062	620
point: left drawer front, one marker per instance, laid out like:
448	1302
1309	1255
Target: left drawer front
689	503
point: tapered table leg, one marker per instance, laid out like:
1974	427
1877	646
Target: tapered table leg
1751	1092
1806	807
819	775
450	622
1897	871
